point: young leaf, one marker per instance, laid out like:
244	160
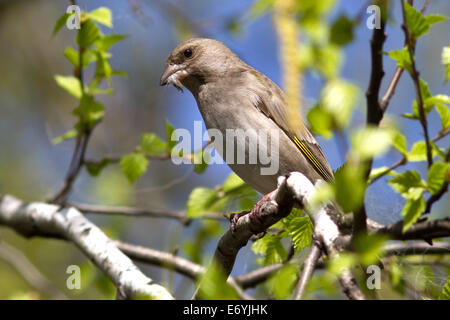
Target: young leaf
412	211
151	144
201	160
341	31
200	200
282	283
435	18
94	169
300	229
73	57
321	121
375	173
399	142
369	248
171	136
445	293
339	97
106	42
402	57
272	249
89	110
371	141
349	188
418	152
133	165
101	15
436	176
232	183
70	84
444	113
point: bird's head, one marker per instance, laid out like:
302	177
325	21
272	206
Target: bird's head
196	62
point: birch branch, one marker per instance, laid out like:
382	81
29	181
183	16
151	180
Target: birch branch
41	219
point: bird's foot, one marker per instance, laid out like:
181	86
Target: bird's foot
252	214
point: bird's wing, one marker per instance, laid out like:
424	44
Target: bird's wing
270	101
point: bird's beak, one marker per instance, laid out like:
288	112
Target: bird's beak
168	71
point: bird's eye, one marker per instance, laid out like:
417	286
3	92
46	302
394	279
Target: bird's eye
188	53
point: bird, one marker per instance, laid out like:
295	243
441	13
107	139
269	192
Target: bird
232	95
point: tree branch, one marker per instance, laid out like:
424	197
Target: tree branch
295	188
31	219
425	230
170	261
416	80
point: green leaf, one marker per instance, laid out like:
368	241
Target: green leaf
445	293
399	142
327	60
371	141
106	42
282	283
408	184
416	22
61	22
339	98
402	57
199	202
232	183
300	229
94	169
133	165
213	285
349	188
103	67
445	60
72	55
369	248
321	121
89	110
444	113
260	7
341	32
375	173
272	249
70	84
101	15
435	18
171	136
412	211
87	34
436	176
68	135
201	160
151	144
120	73
418	152
341	262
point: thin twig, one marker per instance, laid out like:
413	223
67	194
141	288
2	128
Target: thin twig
416	80
308	268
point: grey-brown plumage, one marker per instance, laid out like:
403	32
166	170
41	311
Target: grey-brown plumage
232	95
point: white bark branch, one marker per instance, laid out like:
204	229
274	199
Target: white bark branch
43	219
